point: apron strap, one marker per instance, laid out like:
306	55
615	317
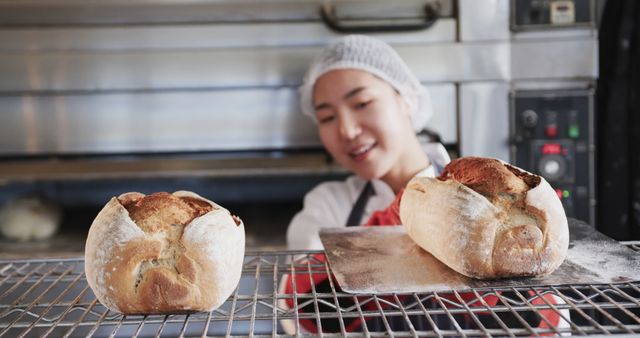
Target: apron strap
355	217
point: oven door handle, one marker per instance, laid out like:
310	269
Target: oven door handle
327	13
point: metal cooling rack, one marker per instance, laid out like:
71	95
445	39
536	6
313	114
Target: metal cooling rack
51	298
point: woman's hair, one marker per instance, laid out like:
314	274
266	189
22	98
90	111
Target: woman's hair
376	57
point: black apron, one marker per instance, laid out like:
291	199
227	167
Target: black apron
397	323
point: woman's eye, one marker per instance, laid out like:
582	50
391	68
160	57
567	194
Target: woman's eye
362	105
325	119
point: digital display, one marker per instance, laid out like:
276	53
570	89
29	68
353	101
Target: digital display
551	149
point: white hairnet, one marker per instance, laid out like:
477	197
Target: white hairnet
376	57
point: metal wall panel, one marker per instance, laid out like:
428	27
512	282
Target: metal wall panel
484	20
166	121
220	68
114	12
484	119
128	70
561	34
172	121
445	111
555	59
199	36
251	67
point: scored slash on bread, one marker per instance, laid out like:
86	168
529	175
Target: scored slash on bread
163	253
487	219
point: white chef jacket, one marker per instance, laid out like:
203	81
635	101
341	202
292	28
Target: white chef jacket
329	204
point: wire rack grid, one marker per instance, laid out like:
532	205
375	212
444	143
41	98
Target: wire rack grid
50	298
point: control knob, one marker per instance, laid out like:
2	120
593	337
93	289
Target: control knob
529	118
552	167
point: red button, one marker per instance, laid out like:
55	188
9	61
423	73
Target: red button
559	193
552	130
551	149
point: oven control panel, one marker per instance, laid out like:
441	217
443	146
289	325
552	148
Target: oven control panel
542	14
552	136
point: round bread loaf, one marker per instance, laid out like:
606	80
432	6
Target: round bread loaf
163	253
487	219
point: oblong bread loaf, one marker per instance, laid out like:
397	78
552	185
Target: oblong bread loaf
512	224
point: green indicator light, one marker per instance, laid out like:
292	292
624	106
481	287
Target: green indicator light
565	194
574	131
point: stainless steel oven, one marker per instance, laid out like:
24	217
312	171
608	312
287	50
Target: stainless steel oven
97	99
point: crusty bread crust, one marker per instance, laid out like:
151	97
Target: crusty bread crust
487	219
163	253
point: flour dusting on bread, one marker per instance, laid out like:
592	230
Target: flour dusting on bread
486	219
163	253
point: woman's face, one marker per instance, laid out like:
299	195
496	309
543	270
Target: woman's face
363	122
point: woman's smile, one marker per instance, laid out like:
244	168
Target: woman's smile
361	152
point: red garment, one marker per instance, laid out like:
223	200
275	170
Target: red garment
388	216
